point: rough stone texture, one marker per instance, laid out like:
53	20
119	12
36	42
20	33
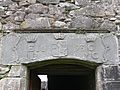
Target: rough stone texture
87	15
108	25
3	70
0	26
18	71
59	24
111	77
13	84
10	26
82	22
41	22
19	16
32	16
6	2
16	11
82	2
48	1
37	8
31	1
24	3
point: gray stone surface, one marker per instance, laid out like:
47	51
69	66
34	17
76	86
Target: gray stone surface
49	1
0	26
110	76
38	23
1	10
37	8
13	84
68	6
10	26
18	71
26	48
82	22
24	3
82	2
88	15
16	11
59	24
31	1
19	16
32	16
108	25
6	2
3	70
94	10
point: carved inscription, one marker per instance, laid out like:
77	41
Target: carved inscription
31	40
91	51
59	48
31	54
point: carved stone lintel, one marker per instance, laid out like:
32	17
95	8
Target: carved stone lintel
40	46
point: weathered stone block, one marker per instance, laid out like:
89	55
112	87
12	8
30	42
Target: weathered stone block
10	26
19	16
38	23
108	25
114	85
82	2
37	8
0	26
49	1
18	71
31	1
60	24
26	48
13	84
110	73
95	10
6	2
3	71
82	22
32	16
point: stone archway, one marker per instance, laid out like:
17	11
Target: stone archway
63	74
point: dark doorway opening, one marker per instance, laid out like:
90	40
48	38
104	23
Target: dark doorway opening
70	82
63	76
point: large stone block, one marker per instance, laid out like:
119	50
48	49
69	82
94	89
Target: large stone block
32	47
37	8
112	85
82	22
13	84
108	77
38	23
111	73
18	71
82	2
49	1
95	10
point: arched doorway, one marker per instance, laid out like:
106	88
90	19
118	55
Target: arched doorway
63	74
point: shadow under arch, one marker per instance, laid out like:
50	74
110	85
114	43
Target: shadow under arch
75	74
38	64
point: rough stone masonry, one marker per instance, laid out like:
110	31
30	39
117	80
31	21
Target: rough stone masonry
98	43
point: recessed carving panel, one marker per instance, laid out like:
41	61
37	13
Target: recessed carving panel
31	47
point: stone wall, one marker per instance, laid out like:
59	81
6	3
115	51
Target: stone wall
88	15
77	14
